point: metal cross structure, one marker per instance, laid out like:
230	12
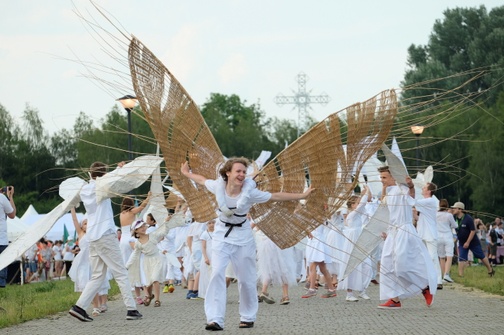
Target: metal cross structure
302	99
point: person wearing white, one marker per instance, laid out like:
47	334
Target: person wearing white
206	261
193	258
7	210
446	226
335	241
233	241
360	277
104	250
406	267
425	214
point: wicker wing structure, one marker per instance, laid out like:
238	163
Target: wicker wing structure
178	126
321	157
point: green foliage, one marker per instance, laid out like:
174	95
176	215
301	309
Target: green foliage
477	277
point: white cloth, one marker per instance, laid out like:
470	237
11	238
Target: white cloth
335	241
445	222
238	235
275	266
316	249
100	215
427	222
205	269
153	260
57	253
406	267
5	208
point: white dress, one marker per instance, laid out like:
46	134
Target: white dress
80	272
406	268
317	250
335	241
152	261
361	276
205	269
275	266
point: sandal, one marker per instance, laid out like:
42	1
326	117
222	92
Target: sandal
213	326
245	324
96	312
147	300
491	274
157	303
285	300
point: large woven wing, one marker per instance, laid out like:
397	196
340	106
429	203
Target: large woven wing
178	126
320	157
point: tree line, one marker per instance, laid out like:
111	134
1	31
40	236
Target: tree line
465	148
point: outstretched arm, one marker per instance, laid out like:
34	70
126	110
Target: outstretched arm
198	179
76	223
144	203
284	196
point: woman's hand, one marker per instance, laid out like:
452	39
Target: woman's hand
184	168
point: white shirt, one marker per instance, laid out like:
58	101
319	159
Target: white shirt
100	215
400	205
5	208
57	253
427	222
445	222
238	235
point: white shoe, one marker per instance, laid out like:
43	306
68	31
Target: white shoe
364	296
351	298
447	278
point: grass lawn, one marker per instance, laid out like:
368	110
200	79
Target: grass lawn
477	277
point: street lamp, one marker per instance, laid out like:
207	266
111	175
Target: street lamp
417	130
128	102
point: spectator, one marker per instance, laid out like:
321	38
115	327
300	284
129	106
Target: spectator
58	258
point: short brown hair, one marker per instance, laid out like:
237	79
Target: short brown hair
432	188
384	169
229	165
98	169
352	200
443	205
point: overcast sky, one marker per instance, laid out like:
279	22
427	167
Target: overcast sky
350	50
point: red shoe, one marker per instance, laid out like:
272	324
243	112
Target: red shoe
390	304
429	298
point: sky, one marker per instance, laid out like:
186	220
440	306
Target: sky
350	50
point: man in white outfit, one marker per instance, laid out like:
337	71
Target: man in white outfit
425	214
233	241
406	268
104	251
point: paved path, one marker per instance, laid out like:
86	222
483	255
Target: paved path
456	310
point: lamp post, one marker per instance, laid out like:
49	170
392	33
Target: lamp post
417	131
129	102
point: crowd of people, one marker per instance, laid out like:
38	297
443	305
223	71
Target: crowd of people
423	238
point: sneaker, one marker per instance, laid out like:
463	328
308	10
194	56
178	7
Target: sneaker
390	304
364	296
165	289
80	314
171	288
351	298
310	293
133	315
374	281
96	312
329	294
429	298
266	298
447	278
139	301
192	295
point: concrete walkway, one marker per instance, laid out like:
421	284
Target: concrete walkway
456	310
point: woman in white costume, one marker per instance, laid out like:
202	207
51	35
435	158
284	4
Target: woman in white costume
335	240
233	240
206	261
360	277
80	272
146	245
126	243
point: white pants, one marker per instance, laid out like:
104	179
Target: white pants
432	248
105	253
243	260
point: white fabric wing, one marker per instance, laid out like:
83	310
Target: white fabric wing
156	204
396	166
125	179
369	239
17	248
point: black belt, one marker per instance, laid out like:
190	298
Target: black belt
232	225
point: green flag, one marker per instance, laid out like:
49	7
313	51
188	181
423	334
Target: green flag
65	234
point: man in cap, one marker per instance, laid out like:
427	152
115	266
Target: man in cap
465	234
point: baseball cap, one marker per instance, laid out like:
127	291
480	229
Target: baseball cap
459	205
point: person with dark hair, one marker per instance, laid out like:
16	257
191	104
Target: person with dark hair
104	250
425	214
406	266
446	243
466	232
7	210
233	240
